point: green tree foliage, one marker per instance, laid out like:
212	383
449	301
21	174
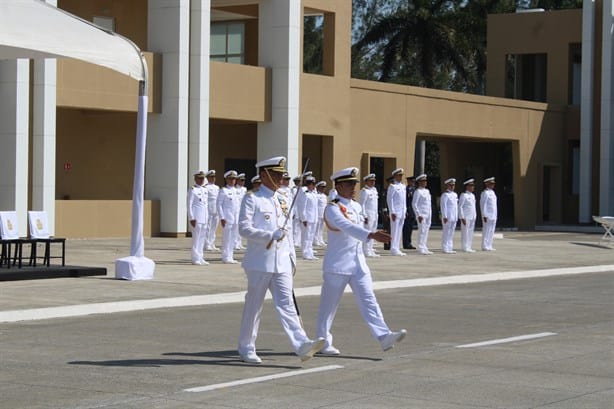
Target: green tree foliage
313	37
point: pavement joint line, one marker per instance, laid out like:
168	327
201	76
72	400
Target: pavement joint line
69	311
508	340
265	378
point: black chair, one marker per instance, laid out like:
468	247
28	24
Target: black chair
39	233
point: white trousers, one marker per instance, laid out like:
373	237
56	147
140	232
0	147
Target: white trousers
280	286
371	226
423	234
467	234
212	223
238	243
396	231
228	242
199	236
488	233
307	234
447	235
319	235
296	230
362	288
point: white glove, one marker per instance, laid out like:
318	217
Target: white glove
278	234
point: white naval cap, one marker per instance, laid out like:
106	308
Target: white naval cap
421	177
241	176
321	183
231	174
398	171
296	178
469	181
310	179
256	179
450	181
276	164
199	174
347	174
370	176
210	173
308	173
490	179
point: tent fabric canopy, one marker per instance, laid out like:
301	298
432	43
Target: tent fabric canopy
34	29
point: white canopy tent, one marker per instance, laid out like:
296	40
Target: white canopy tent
34	29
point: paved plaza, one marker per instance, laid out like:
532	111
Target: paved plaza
528	326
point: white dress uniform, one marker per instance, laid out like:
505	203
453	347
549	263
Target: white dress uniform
397	205
307	209
296	191
228	205
345	263
262	213
197	204
421	203
449	210
242	192
467	212
214	218
319	236
368	201
488	207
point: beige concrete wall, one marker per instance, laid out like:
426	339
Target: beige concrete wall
549	32
103	218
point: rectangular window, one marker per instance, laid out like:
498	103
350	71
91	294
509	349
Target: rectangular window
228	42
526	77
575	73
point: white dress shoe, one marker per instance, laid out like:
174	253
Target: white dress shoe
309	348
424	252
469	251
232	261
398	253
251	358
388	341
449	252
197	263
329	350
204	263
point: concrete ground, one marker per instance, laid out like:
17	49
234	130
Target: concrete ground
543	304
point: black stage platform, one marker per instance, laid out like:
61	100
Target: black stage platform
32	273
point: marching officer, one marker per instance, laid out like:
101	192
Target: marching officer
307	210
421	204
488	207
368	200
397	208
322	200
345	263
467	215
228	205
268	263
197	203
449	216
214	218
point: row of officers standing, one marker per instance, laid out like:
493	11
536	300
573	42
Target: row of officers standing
208	206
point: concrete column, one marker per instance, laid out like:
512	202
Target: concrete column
44	138
14	138
167	146
586	111
200	28
280	49
606	160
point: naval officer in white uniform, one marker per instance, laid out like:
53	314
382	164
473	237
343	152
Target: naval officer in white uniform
307	210
449	216
214	218
467	215
421	203
345	263
228	204
322	200
397	209
488	207
198	217
368	199
269	263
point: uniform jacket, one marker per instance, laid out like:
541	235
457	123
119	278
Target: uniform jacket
214	191
395	199
422	203
261	214
346	236
228	204
488	204
466	206
449	206
368	200
307	204
197	203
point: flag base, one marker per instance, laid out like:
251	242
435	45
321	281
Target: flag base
134	268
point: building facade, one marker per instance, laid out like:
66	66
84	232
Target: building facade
228	87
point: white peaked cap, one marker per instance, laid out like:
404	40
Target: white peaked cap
230	174
347	174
